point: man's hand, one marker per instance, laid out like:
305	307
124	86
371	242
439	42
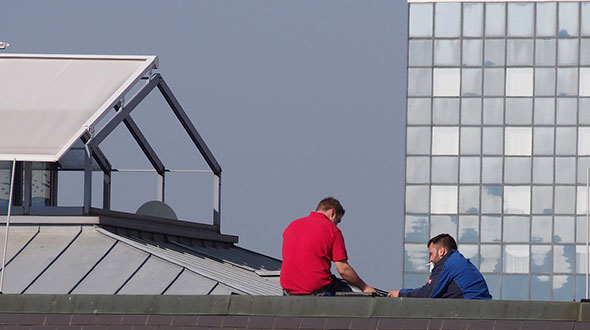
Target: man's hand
394	294
369	289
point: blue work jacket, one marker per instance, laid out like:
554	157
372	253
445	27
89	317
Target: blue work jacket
453	276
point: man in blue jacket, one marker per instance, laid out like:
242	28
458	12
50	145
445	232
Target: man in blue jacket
453	276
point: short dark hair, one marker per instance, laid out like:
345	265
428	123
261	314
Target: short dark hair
330	203
445	240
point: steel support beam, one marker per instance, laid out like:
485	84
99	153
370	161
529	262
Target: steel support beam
144	145
98	155
106	191
18	193
87	179
188	126
161	187
217	201
28	187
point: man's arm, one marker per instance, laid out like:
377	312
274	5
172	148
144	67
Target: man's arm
423	292
349	275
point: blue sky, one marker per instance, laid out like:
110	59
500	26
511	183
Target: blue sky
298	100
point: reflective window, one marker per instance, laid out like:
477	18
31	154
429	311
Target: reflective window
416	258
492	140
520	52
546	19
516	229
542	199
565	199
445	169
493	111
518	141
415	280
445	140
491	229
543	144
516	259
471	111
567	81
469	199
472	52
417	199
584	141
585	51
520	19
582	201
471	82
563	230
519	111
563	287
470	252
468	230
420	53
447	22
584	81
443	224
515	287
581	259
418	140
583	166
544	111
580	288
418	169
544	81
416	229
491	199
565	140
490	258
445	111
443	200
447	52
493	84
495	19
565	169
494	52
493	281
563	258
517	170
541	259
419	82
542	170
584	111
472	19
545	52
567	52
517	200
447	82
541	288
568	19
585	19
519	82
491	170
470	140
420	20
469	168
566	111
541	229
419	111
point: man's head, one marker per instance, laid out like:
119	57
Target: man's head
439	246
332	208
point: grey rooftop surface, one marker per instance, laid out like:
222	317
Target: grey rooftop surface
118	254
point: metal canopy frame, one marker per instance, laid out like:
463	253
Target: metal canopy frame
92	140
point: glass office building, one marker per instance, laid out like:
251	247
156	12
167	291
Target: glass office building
498	141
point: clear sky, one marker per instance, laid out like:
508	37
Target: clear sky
297	100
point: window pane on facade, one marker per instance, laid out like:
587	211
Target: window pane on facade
472	19
581	259
544	112
419	82
418	170
493	111
490	258
583	165
443	200
494	52
469	199
542	199
585	51
447	52
545	52
543	141
519	82
567	111
471	82
516	259
584	81
420	53
445	111
445	169
565	140
519	111
417	199
470	252
419	111
447	21
517	170
567	81
420	20
541	229
493	84
582	201
495	19
565	199
584	141
516	229
544	81
520	52
441	224
564	230
415	258
445	140
491	229
418	140
542	170
541	287
471	111
567	52
491	170
520	19
447	82
492	140
469	170
568	19
563	258
563	287
517	200
469	229
416	229
541	261
469	138
415	280
518	141
546	19
491	199
472	52
565	170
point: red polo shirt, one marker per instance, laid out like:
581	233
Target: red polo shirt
310	245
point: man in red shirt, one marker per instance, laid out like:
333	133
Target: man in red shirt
310	245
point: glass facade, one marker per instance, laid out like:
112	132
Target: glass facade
498	142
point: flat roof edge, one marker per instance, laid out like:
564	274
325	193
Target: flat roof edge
309	306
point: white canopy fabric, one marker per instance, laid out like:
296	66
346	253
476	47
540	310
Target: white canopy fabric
48	101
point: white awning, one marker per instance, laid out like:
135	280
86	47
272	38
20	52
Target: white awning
48	101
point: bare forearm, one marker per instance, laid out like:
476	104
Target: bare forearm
349	275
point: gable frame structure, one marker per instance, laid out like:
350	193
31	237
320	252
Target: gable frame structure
64	67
